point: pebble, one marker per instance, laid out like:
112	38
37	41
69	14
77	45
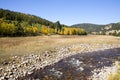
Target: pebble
104	73
28	64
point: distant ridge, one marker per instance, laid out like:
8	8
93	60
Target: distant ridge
108	29
89	27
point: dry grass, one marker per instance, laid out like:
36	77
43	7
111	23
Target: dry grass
11	46
115	76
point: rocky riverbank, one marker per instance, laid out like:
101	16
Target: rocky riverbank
23	66
105	72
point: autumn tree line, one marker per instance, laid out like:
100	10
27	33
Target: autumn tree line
19	24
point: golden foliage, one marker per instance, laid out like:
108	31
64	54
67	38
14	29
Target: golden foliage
47	30
72	31
7	28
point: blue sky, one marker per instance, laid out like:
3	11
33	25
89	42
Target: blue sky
68	11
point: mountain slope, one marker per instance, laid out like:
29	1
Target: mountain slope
108	29
21	24
17	16
89	27
111	29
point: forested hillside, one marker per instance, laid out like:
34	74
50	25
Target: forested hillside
111	29
89	27
21	24
108	29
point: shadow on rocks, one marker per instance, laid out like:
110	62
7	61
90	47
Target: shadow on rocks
77	67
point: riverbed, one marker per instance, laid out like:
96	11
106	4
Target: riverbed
80	66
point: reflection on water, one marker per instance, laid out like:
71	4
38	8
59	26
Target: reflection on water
77	67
